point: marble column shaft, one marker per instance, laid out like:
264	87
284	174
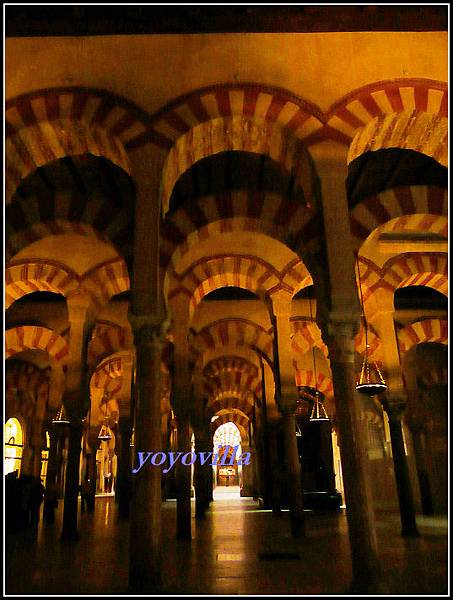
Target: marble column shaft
359	506
145	510
394	409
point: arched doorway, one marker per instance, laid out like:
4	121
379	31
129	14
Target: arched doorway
14	444
227	471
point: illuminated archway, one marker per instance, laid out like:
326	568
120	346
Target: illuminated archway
14	444
227	445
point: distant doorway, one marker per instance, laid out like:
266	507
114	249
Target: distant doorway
227	473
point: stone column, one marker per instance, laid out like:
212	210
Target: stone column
293	472
70	511
52	467
359	506
247	474
76	402
276	467
201	474
286	396
422	460
182	405
145	509
91	474
183	476
394	405
124	480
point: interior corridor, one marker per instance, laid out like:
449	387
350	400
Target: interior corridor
236	549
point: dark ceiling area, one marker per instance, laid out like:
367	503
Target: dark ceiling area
53	20
374	172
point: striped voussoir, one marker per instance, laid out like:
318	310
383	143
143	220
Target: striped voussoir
428	330
241	422
26	277
34	217
106	280
34	337
250	272
374	343
239	133
227	364
21	375
52	123
409	208
236	401
101	282
323	383
238	210
306	335
360	107
237	331
409	130
108	338
422	268
233	381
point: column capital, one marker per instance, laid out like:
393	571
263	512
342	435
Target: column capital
394	405
281	303
339	335
80	303
149	329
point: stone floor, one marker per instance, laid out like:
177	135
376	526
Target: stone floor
236	549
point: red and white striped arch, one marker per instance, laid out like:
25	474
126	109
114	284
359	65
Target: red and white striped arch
323	383
108	338
227	364
241	134
55	122
106	280
250	100
238	332
214	272
412	268
374	343
355	110
238	402
409	130
26	277
17	240
428	330
34	337
241	422
306	335
233	381
238	210
409	208
21	375
246	271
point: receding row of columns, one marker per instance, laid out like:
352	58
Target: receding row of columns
147	496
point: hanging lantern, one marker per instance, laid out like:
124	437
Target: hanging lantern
106	433
318	412
132	442
371	381
60	418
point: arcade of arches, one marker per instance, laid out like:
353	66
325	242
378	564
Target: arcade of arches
217	245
